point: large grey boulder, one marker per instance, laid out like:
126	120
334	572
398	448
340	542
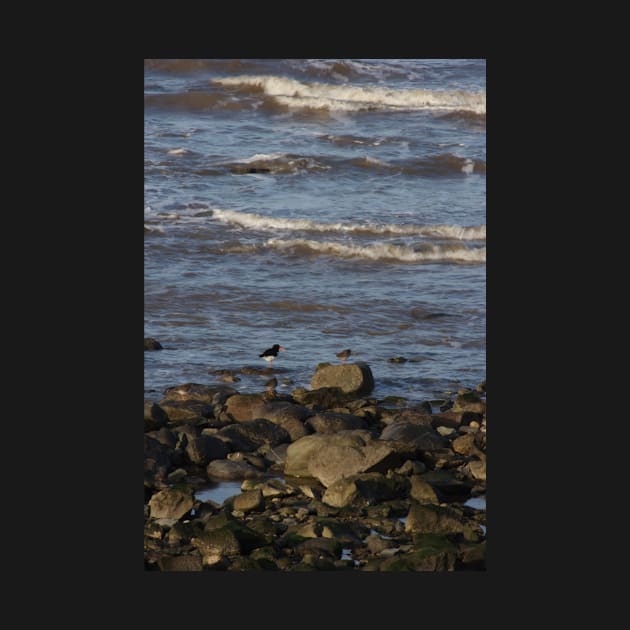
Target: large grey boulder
351	378
171	503
366	488
246	407
332	456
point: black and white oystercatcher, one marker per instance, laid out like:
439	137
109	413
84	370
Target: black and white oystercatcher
271	353
344	354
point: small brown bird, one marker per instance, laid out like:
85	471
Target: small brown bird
343	355
271	385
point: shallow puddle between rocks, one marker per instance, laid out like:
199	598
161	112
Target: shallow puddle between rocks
219	491
346	554
477	503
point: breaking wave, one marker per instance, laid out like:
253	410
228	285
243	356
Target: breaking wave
260	222
382	251
292	93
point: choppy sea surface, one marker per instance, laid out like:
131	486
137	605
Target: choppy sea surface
320	204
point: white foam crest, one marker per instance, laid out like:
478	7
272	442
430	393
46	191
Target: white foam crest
177	151
373	160
468	167
260	222
154	228
294	93
385	251
258	157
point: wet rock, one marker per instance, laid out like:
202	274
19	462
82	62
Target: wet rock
469	401
327	422
275	455
433	519
439	458
414	416
256	461
231	471
351	378
319	547
477	469
151	344
454	419
249	501
426	559
448	485
158	460
295	428
185	562
366	488
164	436
269	488
411	467
203	449
154	416
331	456
186	410
422	491
472	557
210	394
171	503
421	436
321	398
250	435
177	476
216	543
282	411
466	445
247	407
180	533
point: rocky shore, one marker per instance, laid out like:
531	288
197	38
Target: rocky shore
330	478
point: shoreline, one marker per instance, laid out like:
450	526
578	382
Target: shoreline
330	477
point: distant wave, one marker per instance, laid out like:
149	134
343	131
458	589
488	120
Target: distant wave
292	93
183	66
383	251
260	222
344	69
197	101
350	139
436	165
274	163
282	163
